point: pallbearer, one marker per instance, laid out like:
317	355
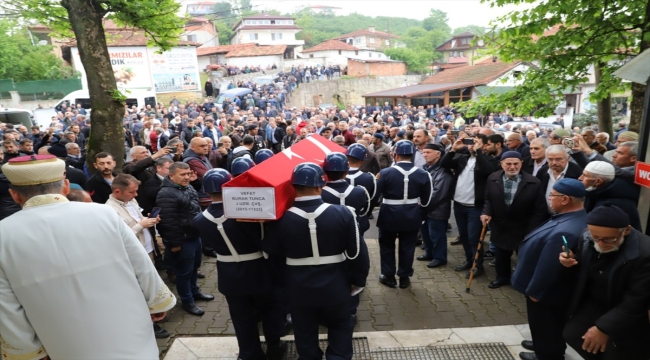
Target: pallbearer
244	274
325	264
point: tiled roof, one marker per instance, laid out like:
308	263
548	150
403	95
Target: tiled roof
268	17
222	49
415	90
331	45
473	75
464	34
257	51
362	32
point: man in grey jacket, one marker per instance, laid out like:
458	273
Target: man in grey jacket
439	209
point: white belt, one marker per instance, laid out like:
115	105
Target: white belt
241	257
339	195
322	260
401	201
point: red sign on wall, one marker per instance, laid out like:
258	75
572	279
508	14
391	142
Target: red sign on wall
642	174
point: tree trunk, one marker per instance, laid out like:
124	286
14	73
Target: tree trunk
604	106
107	132
638	90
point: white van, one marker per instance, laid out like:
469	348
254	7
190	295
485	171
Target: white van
17	117
138	98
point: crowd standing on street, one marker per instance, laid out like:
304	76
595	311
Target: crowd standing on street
563	201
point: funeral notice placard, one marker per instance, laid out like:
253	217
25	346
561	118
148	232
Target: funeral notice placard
257	203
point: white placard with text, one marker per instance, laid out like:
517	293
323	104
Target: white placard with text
249	203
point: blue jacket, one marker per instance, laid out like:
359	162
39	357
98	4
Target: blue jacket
390	184
207	133
539	273
236	278
357	199
318	285
365	180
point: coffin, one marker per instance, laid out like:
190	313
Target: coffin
264	192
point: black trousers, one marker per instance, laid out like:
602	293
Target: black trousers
585	318
546	325
503	261
405	254
244	312
338	321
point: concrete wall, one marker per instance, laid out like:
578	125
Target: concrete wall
361	69
347	90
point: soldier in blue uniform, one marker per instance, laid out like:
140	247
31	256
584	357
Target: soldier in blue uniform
262	155
244	274
407	192
324	265
337	191
356	154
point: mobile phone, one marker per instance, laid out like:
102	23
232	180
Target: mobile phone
219	144
566	246
568	143
468	141
154	212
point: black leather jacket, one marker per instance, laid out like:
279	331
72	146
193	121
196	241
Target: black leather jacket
178	207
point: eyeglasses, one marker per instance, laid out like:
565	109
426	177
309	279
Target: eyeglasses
588	236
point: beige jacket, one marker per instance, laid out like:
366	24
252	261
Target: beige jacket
121	210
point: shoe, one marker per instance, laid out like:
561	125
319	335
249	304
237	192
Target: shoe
193	309
436	263
488	254
418	243
200	275
455	242
497	283
276	351
528	345
424	257
527	356
354	319
448	226
171	277
210	253
404	282
422	246
160	332
390	282
493	263
477	272
464	266
203	297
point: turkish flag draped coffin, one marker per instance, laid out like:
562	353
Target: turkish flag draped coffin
265	191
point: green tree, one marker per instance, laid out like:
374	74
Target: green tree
225	32
83	19
565	40
474	29
416	60
222	10
437	20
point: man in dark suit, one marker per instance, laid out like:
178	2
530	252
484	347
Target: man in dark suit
516	143
536	163
244	274
560	167
514	205
609	311
545	282
471	170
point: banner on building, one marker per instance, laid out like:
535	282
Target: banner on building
175	70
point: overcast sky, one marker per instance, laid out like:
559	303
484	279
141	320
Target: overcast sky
460	12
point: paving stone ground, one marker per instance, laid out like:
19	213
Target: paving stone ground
436	299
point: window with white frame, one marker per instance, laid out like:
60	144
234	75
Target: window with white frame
357	41
252	36
372	40
369	54
191	37
276	36
387	42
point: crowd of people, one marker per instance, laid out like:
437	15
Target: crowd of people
564	201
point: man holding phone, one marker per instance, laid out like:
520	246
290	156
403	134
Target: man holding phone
122	200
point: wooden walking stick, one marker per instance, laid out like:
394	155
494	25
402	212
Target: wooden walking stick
478	250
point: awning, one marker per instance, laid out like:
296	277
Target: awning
637	70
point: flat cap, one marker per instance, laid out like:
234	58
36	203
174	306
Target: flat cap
570	187
379	135
608	215
401	133
251	127
561	133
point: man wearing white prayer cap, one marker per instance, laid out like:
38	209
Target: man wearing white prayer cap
72	292
599	178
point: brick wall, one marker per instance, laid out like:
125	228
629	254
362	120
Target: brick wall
360	69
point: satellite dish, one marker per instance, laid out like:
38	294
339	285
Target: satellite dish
42	42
